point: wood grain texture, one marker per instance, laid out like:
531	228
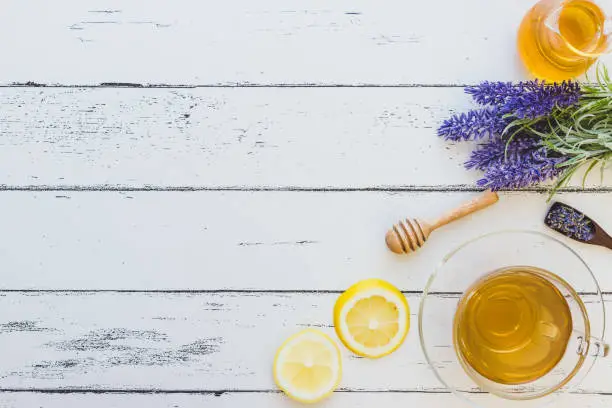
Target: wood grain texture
211	240
228	137
331	138
262	400
204	342
263	42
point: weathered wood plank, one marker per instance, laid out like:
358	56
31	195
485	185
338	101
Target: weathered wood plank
190	341
259	400
228	137
209	240
270	137
268	41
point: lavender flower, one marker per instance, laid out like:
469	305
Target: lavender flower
493	93
539	99
520	162
527	168
474	124
527	99
507	101
524	160
497	151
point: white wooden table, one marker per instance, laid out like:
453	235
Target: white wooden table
185	183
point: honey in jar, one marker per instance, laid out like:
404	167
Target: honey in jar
559	40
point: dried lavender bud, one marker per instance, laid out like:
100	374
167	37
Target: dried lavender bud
570	222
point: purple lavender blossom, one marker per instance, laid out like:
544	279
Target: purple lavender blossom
497	151
474	124
523	169
493	93
539	99
524	160
507	101
527	99
520	162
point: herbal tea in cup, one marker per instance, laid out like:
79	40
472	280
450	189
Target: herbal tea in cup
513	325
560	39
519	333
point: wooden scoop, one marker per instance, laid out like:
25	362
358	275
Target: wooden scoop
410	234
576	225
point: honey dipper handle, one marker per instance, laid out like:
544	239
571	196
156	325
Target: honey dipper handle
483	201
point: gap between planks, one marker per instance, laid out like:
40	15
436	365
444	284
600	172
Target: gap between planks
206	392
235	291
32	84
221	392
459	188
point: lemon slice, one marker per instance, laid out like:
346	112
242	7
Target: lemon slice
307	366
372	318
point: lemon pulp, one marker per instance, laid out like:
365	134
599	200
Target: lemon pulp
307	366
372	318
373	321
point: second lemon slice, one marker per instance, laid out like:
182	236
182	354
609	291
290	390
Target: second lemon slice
372	318
308	367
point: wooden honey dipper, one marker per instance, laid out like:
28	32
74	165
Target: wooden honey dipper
410	234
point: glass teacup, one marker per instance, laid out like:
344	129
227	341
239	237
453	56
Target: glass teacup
473	262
